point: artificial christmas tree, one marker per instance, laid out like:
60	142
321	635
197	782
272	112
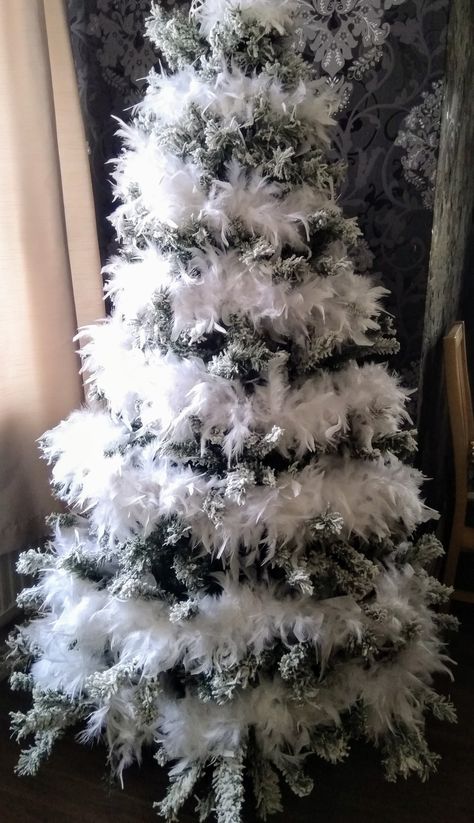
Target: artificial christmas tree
236	585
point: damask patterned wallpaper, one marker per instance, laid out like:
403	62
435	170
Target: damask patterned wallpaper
385	58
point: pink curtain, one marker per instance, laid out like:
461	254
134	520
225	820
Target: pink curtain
49	262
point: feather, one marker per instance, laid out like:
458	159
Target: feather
273	14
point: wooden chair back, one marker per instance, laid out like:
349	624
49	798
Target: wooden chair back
459	401
462	430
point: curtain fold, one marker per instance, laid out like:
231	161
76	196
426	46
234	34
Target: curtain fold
49	262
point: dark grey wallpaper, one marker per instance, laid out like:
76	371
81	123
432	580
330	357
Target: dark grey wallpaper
385	58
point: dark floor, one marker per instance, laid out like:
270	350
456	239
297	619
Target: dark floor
73	787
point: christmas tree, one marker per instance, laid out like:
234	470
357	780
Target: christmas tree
239	583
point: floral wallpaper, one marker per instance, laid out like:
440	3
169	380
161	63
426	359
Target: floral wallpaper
385	59
346	36
419	137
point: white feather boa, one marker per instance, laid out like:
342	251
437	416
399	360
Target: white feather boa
232	95
216	285
273	14
226	628
127	494
166	392
170	192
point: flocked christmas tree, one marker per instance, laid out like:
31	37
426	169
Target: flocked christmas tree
238	585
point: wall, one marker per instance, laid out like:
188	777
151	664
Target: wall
450	294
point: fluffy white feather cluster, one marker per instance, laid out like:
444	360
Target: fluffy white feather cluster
215	284
172	193
167	392
232	95
128	493
83	621
272	14
112	465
